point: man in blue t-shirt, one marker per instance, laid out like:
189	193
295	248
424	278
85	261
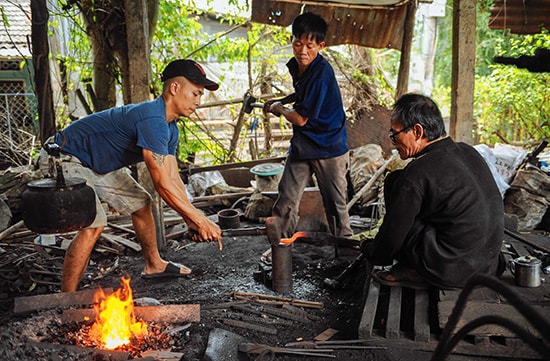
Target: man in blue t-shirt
100	147
318	145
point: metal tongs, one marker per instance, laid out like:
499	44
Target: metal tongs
257	348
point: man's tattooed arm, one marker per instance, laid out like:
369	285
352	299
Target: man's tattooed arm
159	158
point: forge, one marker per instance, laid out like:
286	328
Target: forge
114	326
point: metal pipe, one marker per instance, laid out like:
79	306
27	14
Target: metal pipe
281	268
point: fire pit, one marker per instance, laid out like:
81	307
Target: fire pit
116	327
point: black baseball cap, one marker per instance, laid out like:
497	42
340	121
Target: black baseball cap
189	69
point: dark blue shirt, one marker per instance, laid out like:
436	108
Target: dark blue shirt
114	138
319	100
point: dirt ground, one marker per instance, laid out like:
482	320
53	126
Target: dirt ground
216	275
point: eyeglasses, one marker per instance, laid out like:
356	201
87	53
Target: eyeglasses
394	135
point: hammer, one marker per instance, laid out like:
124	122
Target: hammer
337	282
250	102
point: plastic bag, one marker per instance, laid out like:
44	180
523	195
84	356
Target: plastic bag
492	162
200	182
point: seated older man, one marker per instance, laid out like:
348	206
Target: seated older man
445	217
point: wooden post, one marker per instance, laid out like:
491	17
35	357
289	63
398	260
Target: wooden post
405	61
463	70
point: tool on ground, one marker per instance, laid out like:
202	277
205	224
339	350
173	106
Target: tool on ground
250	102
358	344
234	232
337	282
256	348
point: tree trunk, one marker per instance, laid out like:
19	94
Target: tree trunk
366	93
40	55
405	61
106	22
104	68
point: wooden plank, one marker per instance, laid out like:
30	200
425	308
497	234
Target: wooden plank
478	294
221	196
481	340
520	249
326	334
250	164
394	313
165	313
421	319
121	240
476	309
492	352
162	355
63	299
369	311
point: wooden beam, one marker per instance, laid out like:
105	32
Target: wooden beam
393	324
121	240
248	164
421	318
366	324
64	299
165	313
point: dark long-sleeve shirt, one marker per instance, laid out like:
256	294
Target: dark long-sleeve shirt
444	217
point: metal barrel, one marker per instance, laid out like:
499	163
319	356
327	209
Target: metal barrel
281	271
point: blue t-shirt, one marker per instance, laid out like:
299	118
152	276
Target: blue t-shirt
114	138
318	98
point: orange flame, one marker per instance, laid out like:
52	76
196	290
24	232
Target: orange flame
115	322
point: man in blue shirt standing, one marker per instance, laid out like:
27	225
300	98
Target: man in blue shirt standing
319	144
100	147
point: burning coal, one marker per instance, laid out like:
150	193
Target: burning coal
115	322
116	327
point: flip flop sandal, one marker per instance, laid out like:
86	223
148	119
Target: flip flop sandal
172	270
381	278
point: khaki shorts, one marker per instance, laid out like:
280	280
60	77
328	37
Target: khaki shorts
118	189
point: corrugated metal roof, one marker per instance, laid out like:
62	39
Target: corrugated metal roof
520	16
15	37
371	26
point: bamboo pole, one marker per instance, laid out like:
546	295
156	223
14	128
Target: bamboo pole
11	229
371	181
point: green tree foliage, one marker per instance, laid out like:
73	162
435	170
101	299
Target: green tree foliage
511	105
179	34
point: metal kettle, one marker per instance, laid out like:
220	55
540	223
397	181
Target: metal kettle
526	271
58	205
